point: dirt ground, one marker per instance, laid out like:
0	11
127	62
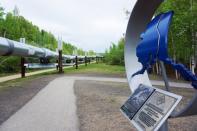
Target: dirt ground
98	106
13	97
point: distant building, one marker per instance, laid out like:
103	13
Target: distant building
16	11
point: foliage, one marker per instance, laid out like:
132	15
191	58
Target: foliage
99	68
16	27
115	54
68	48
80	52
91	53
182	38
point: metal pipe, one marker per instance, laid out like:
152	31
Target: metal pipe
14	48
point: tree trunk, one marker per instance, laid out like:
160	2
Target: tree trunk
157	68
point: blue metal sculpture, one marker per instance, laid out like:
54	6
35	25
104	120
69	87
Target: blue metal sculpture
154	44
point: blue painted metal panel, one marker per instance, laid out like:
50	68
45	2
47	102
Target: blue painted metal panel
154	45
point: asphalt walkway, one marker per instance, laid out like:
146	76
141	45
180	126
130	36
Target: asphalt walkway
52	109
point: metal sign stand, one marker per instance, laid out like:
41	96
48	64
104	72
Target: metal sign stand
164	127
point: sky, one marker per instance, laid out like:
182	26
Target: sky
87	24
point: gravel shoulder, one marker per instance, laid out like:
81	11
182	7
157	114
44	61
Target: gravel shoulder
98	106
14	96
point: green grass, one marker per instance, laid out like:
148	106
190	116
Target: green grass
17	82
2	74
96	68
90	68
6	74
93	68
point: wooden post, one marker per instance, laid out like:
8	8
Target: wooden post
85	60
57	65
89	60
22	67
22	40
76	62
96	60
60	62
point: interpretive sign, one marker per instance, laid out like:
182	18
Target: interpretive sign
148	108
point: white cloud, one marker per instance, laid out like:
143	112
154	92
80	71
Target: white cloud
88	24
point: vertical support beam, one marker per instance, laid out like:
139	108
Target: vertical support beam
164	127
89	60
60	62
85	60
57	64
22	67
165	78
22	40
96	60
76	62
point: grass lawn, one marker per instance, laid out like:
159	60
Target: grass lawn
17	72
19	81
93	68
97	68
90	68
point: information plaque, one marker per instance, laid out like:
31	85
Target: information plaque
148	108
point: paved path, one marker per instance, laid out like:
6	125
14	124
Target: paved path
53	108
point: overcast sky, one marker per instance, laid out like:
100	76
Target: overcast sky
88	24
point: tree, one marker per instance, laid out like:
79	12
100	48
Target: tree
91	53
1	12
1	19
183	27
115	54
14	27
183	38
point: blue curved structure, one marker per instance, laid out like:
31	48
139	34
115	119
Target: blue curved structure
154	46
